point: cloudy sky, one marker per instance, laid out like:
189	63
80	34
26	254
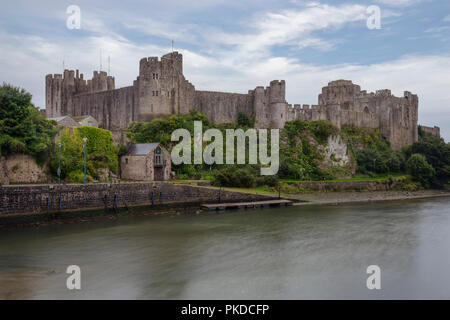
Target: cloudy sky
236	45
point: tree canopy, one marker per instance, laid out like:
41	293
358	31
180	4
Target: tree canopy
22	128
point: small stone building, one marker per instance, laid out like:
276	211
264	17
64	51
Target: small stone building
65	121
87	121
146	162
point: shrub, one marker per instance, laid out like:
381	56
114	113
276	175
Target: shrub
371	160
234	177
76	177
394	161
244	121
270	181
365	160
420	169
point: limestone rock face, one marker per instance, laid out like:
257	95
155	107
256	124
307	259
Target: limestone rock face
335	154
336	151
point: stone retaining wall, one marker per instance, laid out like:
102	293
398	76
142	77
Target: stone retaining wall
382	185
22	168
43	198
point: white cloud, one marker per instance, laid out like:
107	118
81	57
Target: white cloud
234	62
399	3
447	18
437	29
426	76
289	27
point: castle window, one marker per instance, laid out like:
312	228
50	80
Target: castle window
155	76
153	93
156	93
126	160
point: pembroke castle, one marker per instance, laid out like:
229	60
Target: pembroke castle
161	90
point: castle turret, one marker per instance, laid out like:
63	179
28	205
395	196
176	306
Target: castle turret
337	92
53	88
100	82
60	89
162	88
261	107
278	105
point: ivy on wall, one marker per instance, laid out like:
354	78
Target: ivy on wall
100	151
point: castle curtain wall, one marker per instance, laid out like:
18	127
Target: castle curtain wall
221	107
161	90
113	109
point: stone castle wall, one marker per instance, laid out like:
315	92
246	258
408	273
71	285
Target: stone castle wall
113	109
435	131
226	105
161	90
343	103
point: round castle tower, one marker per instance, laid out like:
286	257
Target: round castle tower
277	103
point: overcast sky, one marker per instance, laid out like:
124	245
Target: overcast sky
236	45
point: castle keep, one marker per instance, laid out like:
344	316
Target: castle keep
161	90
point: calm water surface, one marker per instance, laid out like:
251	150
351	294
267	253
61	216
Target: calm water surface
287	253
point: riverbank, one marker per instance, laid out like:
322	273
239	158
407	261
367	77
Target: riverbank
336	198
23	205
81	215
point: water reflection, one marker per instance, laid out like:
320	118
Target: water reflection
292	253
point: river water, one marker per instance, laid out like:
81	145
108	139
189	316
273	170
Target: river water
284	253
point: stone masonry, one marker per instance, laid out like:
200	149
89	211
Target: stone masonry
43	198
161	90
435	131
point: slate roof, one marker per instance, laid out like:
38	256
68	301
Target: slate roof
57	119
142	149
80	118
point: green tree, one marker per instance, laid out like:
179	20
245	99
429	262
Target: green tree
420	169
244	121
437	154
22	128
370	160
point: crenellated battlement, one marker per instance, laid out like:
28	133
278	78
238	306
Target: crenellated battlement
61	88
160	90
154	68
